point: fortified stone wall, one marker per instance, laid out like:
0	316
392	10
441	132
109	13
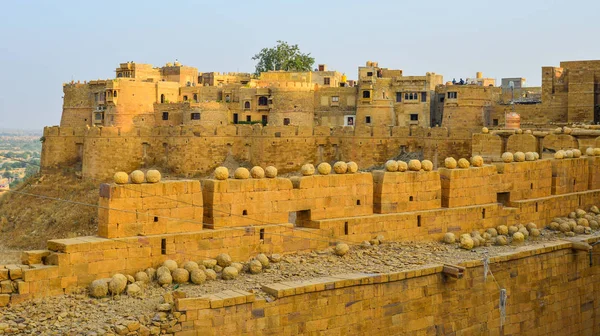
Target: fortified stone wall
192	150
140	226
551	291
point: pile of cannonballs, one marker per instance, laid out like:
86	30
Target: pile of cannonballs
412	165
500	236
241	173
508	157
325	168
137	177
577	222
451	163
170	272
567	154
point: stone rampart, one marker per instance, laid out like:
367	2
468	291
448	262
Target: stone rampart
551	291
196	150
141	225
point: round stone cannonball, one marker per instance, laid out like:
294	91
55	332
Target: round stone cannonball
529	156
221	173
307	169
502	229
190	266
534	233
142	277
98	288
518	237
197	276
254	266
567	130
271	172
165	279
352	167
324	168
211	274
123	178
477	161
117	284
340	167
341	249
153	176
466	241
450	163
162	270
536	155
449	238
264	260
391	165
576	153
463	163
558	130
559	155
224	260
402	166
180	275
568	154
414	165
230	273
501	241
507	157
238	266
519	131
257	172
137	176
589	151
170	264
596	151
241	173
528	132
485	130
519	156
427	165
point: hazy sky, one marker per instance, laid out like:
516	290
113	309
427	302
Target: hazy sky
46	43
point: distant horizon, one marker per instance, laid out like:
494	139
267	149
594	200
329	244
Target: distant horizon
47	44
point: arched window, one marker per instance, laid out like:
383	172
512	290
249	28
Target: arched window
162	98
120	74
262	101
247	105
184	98
196	97
366	94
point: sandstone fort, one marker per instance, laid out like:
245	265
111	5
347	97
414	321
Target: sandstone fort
336	168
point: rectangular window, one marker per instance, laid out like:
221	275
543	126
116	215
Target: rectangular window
398	97
452	95
367	119
411	96
369	74
495	122
286	121
165	116
335	99
326	81
414	117
195	116
248	118
423	97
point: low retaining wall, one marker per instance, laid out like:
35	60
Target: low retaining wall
551	290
